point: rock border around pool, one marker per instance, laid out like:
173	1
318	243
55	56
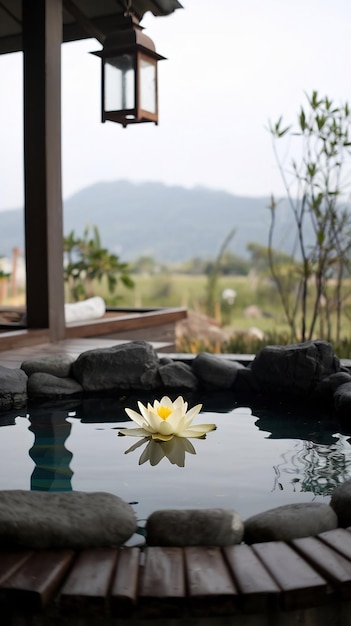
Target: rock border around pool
78	520
310	370
305	371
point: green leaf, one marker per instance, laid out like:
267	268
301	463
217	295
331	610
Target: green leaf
320	121
320	237
311	168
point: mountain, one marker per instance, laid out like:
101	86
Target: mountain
170	223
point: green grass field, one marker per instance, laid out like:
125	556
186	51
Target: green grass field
171	289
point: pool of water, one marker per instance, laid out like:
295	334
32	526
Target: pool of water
255	460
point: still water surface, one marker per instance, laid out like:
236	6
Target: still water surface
251	463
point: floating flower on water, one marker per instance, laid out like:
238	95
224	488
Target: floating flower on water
174	450
166	419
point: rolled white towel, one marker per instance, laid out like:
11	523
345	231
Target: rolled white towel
89	309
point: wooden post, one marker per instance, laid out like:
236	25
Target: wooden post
42	37
15	254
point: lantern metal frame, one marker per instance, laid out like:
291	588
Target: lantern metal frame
129	45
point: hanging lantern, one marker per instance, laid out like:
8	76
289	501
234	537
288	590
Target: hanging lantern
129	75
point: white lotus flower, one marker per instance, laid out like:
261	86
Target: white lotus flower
166	419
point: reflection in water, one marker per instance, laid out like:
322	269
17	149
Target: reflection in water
174	450
52	460
310	458
314	467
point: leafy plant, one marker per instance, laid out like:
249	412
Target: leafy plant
315	184
86	261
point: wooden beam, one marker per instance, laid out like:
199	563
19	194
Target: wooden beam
86	24
42	37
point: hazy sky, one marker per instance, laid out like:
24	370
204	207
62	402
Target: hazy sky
232	65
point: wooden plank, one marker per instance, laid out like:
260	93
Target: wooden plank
86	589
21	338
211	590
258	591
301	585
331	564
124	589
162	585
338	539
36	582
12	561
122	323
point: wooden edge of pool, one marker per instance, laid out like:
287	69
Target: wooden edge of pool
310	576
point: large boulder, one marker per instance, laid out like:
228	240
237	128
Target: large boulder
126	366
294	369
42	520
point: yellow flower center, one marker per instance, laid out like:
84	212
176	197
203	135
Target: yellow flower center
164	412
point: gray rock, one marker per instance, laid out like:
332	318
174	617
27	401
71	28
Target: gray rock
177	374
296	368
194	527
150	379
290	521
214	371
342	401
55	364
246	382
120	367
13	388
47	385
330	384
341	503
42	519
165	360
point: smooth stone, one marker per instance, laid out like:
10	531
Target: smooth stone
55	364
150	379
290	521
342	402
245	382
47	385
13	388
215	372
330	384
340	502
294	369
178	375
194	527
120	367
41	520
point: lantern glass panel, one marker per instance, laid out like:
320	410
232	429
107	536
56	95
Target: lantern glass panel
119	83
147	85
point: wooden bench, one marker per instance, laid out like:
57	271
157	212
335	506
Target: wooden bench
162	583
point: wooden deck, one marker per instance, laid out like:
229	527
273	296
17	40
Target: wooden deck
270	579
13	358
152	325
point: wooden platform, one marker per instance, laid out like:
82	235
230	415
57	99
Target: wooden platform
13	358
152	325
266	579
